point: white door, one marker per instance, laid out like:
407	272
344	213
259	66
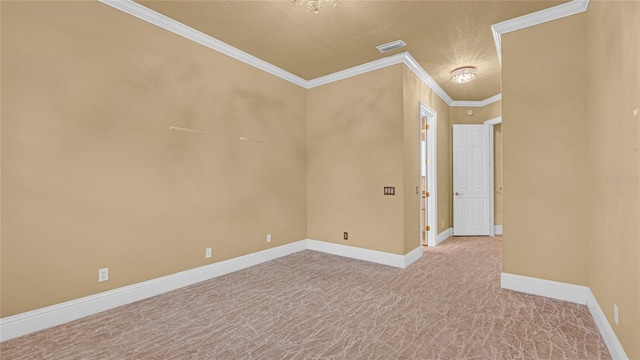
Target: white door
471	180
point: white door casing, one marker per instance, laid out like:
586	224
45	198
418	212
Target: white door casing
431	170
471	180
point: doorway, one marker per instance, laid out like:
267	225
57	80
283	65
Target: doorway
428	175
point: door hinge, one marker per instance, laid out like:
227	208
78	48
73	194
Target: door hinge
425	193
428	228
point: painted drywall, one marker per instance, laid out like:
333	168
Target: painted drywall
415	91
545	145
355	149
460	115
613	92
91	175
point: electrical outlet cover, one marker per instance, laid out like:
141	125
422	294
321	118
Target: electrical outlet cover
103	274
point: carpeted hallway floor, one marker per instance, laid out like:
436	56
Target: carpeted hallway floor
310	305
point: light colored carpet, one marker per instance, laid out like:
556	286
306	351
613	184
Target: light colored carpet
311	305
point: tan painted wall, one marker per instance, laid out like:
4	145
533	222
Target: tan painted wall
545	145
415	91
91	175
355	135
459	115
613	55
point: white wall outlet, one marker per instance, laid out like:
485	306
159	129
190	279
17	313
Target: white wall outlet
103	274
207	253
615	314
268	238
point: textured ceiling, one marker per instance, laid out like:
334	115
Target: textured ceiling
440	35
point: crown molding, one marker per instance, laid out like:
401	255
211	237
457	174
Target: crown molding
400	58
356	70
132	8
536	18
413	65
176	27
482	103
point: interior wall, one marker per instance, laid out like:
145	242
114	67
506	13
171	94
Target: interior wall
415	91
91	175
545	145
459	115
613	92
355	149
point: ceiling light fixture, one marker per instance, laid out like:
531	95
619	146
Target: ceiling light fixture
463	74
315	5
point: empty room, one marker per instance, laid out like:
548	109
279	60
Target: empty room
319	179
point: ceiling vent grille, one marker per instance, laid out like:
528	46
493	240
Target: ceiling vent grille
385	48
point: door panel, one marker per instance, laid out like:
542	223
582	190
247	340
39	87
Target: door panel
471	180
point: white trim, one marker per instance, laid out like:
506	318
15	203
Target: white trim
492	193
39	319
536	18
494	121
497	229
400	58
547	288
353	252
444	236
412	256
482	103
167	23
43	318
572	293
608	335
176	27
413	65
432	172
356	70
132	8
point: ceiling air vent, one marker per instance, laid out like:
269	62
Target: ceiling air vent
385	48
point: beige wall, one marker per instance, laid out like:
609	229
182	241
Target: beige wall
416	91
91	175
571	161
355	148
459	115
545	145
613	55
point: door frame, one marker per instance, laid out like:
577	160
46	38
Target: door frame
492	122
432	173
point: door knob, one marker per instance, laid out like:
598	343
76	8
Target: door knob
457	193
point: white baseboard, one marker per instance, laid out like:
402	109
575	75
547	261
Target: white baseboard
412	256
380	257
444	236
608	335
497	229
39	319
572	293
547	288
